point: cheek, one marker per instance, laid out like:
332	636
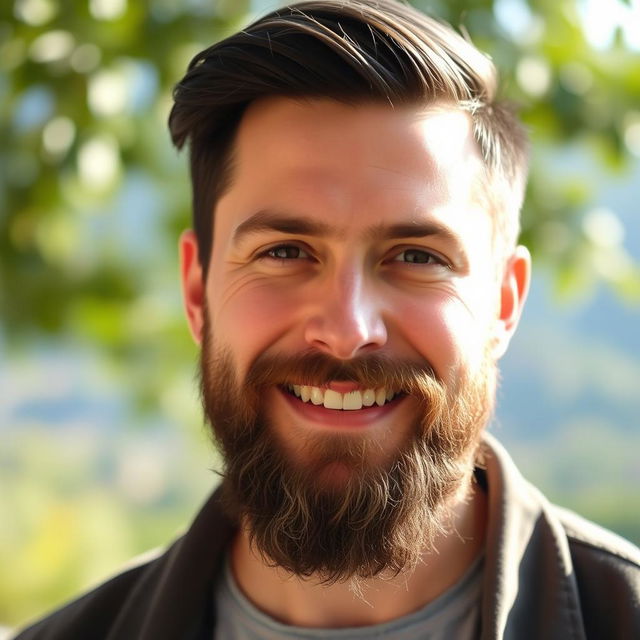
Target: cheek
445	332
249	318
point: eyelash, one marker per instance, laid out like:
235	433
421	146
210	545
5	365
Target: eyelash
268	254
432	258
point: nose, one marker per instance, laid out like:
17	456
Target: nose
346	320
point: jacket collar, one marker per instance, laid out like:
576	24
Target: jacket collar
530	588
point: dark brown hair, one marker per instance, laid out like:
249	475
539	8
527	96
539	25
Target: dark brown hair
352	51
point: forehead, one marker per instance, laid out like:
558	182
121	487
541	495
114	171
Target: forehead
355	163
355	135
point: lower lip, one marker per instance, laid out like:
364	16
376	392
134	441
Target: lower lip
338	418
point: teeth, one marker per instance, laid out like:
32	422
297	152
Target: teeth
332	399
351	401
368	397
317	397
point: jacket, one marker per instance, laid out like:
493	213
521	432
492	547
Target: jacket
549	574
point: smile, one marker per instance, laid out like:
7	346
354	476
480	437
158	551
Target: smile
350	401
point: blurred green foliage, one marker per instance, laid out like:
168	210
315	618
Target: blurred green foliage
92	197
97	511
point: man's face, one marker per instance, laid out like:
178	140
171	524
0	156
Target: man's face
353	305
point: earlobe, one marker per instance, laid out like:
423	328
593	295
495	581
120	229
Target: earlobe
513	293
192	283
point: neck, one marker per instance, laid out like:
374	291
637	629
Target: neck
306	603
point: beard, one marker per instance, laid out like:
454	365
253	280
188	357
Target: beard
381	512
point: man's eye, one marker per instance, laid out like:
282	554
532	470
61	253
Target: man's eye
286	252
418	256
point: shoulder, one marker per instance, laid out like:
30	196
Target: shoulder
165	594
93	614
607	573
598	541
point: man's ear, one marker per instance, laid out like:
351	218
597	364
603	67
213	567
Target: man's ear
513	292
193	289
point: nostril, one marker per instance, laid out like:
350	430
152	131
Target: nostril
343	343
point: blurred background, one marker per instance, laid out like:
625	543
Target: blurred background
102	450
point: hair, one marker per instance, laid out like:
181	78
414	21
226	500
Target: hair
352	51
385	506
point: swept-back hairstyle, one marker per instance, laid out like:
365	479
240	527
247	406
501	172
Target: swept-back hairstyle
352	51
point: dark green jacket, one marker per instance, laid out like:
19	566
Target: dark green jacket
549	574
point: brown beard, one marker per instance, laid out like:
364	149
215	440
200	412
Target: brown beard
383	516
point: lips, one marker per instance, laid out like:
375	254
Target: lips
349	401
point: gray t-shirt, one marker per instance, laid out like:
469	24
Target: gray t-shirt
454	614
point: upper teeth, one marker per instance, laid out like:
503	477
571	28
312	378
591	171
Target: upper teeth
349	401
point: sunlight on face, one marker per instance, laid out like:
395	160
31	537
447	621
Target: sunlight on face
354	315
350	231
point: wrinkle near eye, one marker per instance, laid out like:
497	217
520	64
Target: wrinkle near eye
240	284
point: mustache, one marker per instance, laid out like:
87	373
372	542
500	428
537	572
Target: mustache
318	369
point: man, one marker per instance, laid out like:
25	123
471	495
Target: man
353	276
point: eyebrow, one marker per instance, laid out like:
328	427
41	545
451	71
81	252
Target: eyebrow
413	229
268	220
